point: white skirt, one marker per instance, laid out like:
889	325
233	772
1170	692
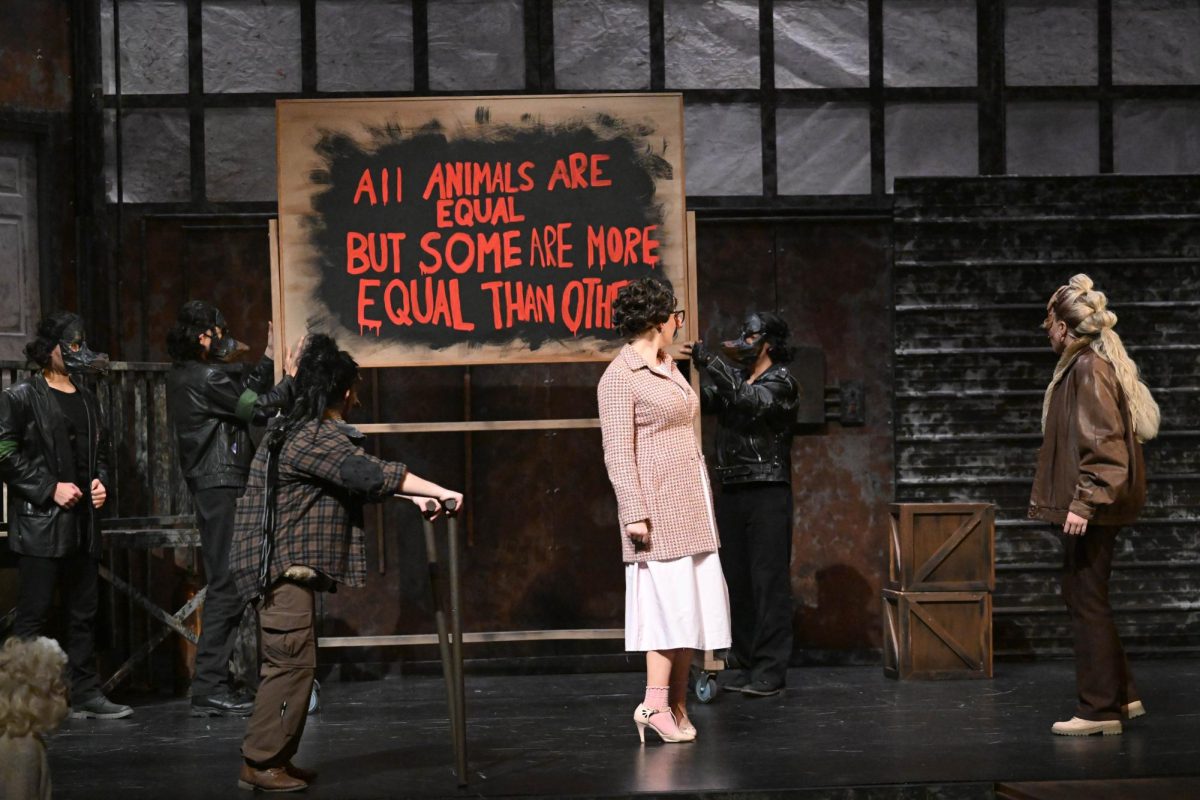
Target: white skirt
678	603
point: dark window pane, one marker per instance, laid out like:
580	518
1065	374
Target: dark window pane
154	47
824	149
929	43
239	153
251	45
1053	138
601	45
712	44
724	149
364	45
476	45
930	139
820	43
156	165
1156	41
1156	137
1050	43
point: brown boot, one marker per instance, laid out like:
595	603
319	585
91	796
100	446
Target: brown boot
306	775
275	779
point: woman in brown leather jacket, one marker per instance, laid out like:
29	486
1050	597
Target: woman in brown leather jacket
1091	480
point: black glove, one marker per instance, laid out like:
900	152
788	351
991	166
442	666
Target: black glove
700	355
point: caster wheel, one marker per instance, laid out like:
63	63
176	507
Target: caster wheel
314	699
706	687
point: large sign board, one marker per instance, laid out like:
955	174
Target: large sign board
476	229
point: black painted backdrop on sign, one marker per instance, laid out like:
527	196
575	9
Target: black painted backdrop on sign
548	223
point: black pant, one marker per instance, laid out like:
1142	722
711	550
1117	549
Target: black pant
756	554
79	575
1102	677
215	510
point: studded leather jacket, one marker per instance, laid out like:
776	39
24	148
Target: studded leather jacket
755	421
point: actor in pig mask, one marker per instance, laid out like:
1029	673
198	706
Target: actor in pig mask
755	399
211	412
54	458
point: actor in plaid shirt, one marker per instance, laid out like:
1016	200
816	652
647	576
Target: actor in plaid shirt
324	479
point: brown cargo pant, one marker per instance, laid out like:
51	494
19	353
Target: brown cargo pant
1102	674
289	659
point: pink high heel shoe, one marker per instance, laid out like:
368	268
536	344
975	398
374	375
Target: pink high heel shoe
661	721
685	725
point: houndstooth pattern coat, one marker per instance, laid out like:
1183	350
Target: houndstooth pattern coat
653	459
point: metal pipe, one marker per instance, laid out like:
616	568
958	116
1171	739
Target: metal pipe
460	728
439	616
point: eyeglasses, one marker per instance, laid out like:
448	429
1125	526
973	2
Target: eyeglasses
680	315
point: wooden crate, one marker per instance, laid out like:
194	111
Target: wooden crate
936	635
942	547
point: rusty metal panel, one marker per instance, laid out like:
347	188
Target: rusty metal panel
834	289
829	280
36	42
975	262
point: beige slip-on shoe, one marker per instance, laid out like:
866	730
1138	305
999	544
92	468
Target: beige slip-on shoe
1086	727
1133	710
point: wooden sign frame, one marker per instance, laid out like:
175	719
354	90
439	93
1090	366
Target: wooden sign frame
304	130
291	321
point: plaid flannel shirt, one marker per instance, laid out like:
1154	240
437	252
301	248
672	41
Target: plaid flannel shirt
325	479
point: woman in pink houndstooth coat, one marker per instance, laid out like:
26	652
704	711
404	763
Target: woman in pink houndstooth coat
675	596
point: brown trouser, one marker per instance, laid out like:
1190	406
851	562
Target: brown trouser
289	659
1102	675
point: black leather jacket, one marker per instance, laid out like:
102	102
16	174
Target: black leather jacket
30	463
755	421
211	413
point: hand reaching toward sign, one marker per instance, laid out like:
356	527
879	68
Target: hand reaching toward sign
270	351
291	358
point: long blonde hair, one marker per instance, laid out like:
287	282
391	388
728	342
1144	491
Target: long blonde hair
33	690
1085	311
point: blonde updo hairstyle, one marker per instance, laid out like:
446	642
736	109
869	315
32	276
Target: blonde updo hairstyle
33	689
1085	311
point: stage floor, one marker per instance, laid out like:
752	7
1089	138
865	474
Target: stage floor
572	736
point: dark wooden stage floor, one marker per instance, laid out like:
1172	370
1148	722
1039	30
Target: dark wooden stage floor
572	736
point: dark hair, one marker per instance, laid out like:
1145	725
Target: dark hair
50	331
642	304
183	340
323	376
776	332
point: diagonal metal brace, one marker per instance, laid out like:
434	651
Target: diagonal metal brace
174	622
175	625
